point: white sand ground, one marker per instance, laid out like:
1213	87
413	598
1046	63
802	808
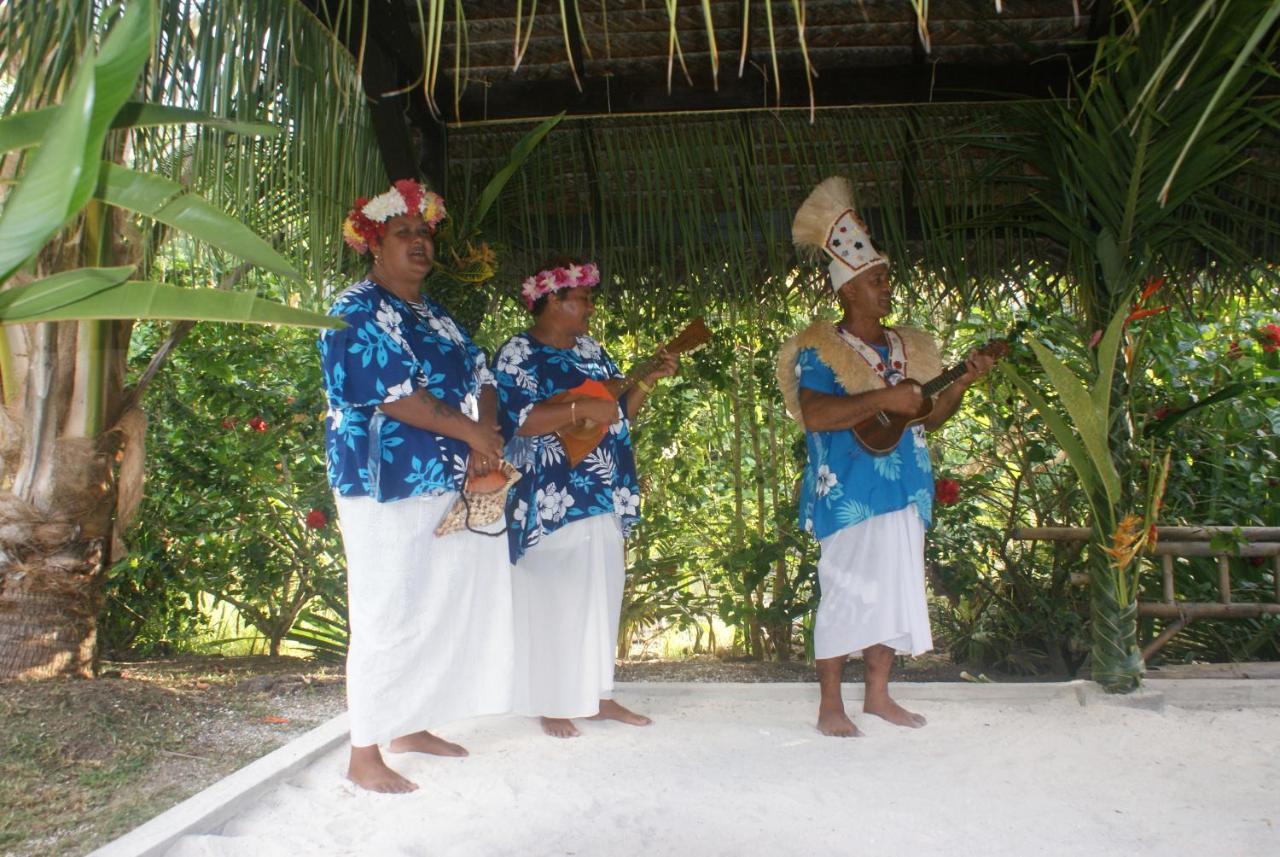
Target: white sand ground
740	770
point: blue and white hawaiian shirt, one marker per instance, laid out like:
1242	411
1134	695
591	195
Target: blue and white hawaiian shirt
390	349
550	494
844	484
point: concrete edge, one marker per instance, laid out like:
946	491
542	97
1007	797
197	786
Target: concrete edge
205	810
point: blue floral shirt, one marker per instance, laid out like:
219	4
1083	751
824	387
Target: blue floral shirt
844	484
550	494
389	349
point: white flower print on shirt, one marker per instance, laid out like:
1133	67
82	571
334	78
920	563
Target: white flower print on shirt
399	391
553	502
446	327
390	321
826	481
520	513
625	502
587	348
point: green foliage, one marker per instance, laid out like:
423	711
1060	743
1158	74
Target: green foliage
236	465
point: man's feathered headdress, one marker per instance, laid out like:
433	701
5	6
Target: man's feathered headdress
827	221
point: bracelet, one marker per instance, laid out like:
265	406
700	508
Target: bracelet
572	418
644	385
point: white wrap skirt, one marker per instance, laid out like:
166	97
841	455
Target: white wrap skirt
873	588
567	599
430	619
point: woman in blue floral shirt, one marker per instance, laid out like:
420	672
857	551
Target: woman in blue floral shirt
567	523
412	412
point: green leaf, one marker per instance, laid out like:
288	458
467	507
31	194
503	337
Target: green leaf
136	299
1067	439
52	293
170	203
41	201
1108	347
64	170
1090	425
24	130
519	155
124	54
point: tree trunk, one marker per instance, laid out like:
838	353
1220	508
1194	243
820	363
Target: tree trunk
1116	660
54	557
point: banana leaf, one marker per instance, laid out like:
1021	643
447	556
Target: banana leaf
64	170
137	299
1090	425
1077	457
60	290
168	202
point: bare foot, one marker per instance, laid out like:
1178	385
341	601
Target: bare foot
893	712
610	710
367	770
559	727
834	722
425	742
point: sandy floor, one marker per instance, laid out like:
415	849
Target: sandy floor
739	770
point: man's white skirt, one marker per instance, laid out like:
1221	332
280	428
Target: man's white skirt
872	579
430	619
567	599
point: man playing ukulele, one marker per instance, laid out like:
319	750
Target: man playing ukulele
868	511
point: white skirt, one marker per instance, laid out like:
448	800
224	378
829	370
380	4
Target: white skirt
430	619
873	590
567	598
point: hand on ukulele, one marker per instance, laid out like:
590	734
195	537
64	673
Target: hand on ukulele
669	366
595	412
904	399
486	449
978	364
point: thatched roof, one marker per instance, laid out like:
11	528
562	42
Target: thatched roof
623	52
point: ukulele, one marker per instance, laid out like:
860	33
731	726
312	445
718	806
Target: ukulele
879	434
585	435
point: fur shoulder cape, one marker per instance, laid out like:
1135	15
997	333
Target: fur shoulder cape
853	373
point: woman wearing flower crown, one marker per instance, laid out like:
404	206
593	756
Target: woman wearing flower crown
566	523
412	412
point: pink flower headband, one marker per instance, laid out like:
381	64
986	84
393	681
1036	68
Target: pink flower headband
555	279
368	219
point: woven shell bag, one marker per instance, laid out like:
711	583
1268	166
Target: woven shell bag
481	502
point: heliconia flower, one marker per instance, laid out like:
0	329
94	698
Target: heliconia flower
316	520
1144	313
1096	338
946	492
1153	286
258	424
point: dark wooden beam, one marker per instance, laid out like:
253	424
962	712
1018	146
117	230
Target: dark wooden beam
914	83
413	143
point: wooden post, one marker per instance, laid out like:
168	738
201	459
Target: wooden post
1224	579
1166	567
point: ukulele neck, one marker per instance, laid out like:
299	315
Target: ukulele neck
943	381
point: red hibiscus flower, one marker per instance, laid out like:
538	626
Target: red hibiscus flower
316	520
258	424
946	492
1271	335
1234	352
